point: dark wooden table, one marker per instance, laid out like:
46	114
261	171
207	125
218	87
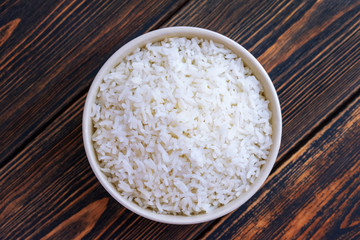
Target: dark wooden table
50	52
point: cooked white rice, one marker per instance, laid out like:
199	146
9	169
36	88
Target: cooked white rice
181	126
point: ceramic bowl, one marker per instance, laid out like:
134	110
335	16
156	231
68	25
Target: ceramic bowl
249	61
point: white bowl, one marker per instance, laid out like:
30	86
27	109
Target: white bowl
248	59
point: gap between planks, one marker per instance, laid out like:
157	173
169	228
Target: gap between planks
12	155
307	137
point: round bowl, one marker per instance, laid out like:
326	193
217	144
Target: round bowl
248	59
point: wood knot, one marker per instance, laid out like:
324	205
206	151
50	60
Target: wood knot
7	30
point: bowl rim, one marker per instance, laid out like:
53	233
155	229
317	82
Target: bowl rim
248	60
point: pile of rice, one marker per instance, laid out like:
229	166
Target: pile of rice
181	126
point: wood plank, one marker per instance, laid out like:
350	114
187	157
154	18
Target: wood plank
310	49
291	66
52	172
51	50
50	191
314	195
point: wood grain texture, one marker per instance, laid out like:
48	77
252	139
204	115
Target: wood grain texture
310	49
7	30
314	195
51	50
49	191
